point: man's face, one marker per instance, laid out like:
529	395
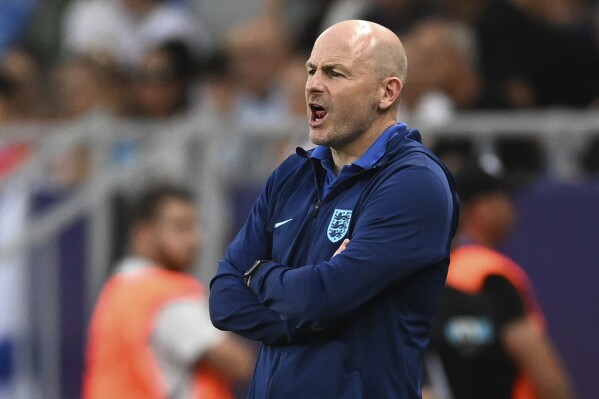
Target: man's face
502	215
176	234
159	91
495	214
341	90
255	62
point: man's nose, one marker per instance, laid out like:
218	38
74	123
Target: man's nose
314	83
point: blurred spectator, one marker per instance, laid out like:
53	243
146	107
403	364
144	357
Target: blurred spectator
528	60
151	334
304	18
82	88
307	19
15	153
398	15
293	80
222	15
163	81
8	99
216	92
340	10
444	76
12	155
454	150
23	66
489	339
14	204
466	11
564	13
258	51
126	29
83	85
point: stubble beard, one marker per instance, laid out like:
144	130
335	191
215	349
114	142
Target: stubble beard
339	137
171	262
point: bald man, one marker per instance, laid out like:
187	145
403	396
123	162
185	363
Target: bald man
344	255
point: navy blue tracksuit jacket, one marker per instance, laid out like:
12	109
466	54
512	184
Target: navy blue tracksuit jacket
355	325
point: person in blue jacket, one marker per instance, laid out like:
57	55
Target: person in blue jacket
344	256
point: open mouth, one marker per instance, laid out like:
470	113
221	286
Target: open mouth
317	113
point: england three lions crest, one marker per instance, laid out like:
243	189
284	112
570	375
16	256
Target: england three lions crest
339	224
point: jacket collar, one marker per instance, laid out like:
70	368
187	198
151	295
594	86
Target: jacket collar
378	151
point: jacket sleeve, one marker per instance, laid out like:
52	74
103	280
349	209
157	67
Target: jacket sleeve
405	226
233	307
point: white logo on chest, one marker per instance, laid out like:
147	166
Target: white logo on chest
339	224
283	222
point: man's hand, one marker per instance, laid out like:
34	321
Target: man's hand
318	328
531	349
341	248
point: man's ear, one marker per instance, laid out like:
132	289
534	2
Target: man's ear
391	90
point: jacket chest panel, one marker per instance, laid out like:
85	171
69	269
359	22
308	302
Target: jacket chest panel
306	231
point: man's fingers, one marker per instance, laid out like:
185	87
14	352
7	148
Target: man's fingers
341	247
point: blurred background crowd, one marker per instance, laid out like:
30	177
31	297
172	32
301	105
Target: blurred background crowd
154	59
101	98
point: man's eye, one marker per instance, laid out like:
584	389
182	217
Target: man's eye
311	72
335	74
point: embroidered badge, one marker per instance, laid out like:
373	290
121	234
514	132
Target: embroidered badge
339	224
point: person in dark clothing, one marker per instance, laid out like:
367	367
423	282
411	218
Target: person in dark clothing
340	264
528	62
489	339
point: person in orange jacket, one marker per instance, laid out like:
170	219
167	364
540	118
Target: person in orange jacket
489	339
151	336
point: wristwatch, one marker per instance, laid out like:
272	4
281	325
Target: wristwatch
247	276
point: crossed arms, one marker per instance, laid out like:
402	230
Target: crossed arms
405	227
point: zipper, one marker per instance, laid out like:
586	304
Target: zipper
316	208
318	192
313	225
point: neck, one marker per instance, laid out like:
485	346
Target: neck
479	236
353	150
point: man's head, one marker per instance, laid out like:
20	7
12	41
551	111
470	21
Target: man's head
22	65
443	58
163	79
165	228
356	73
487	210
82	84
258	50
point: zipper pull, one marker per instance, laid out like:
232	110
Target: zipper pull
316	208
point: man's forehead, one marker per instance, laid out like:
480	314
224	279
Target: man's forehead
352	43
331	54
